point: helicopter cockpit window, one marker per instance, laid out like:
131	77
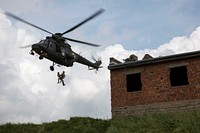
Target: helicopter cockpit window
46	42
42	41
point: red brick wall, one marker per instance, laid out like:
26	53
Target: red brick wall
156	86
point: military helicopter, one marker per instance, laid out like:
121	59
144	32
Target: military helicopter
57	49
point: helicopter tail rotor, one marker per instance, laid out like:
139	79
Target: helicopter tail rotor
94	59
97	64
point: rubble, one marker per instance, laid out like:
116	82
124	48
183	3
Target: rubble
147	56
114	61
131	58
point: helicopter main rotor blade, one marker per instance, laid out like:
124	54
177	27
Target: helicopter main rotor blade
27	46
87	43
84	21
26	22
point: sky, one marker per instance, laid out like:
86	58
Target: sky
28	89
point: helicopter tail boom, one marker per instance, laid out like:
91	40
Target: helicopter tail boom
90	64
97	64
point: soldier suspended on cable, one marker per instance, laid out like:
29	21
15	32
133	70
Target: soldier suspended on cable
61	78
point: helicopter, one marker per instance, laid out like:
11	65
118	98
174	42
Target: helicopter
56	48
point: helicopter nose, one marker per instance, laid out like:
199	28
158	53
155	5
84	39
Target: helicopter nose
34	46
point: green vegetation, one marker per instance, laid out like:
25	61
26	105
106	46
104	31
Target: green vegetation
184	122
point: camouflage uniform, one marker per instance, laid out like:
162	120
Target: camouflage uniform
61	77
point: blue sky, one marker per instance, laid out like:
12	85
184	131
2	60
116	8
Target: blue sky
136	24
29	90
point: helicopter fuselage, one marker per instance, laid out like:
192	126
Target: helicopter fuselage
56	49
60	53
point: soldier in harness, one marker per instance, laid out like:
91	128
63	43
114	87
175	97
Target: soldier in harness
61	77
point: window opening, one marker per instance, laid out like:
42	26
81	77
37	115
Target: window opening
178	76
133	82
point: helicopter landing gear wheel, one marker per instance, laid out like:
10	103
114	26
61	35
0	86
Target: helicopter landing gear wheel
52	68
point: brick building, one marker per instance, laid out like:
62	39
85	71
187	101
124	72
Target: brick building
150	85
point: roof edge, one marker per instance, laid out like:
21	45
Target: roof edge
155	60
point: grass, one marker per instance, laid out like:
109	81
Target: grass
182	122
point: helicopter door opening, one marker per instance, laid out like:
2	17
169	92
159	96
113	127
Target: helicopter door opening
63	51
51	46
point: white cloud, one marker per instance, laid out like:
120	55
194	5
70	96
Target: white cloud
182	44
23	38
29	90
175	46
